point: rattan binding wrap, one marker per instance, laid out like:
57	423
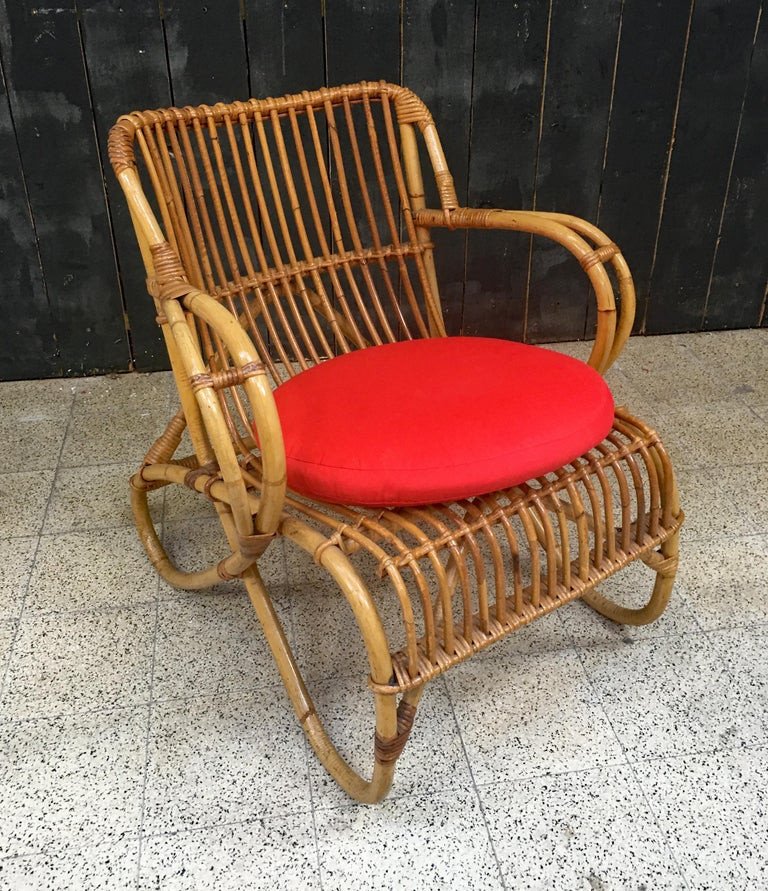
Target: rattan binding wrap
279	232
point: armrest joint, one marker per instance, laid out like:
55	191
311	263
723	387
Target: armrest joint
599	255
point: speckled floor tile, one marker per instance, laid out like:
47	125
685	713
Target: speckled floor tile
24	497
71	782
589	829
200	543
438	841
740	359
274	854
7	632
723	501
726	581
713	810
666	372
96	497
91	570
631	587
624	391
31	444
433	759
105	390
182	504
702	435
111	866
547	634
221	759
116	420
328	642
120	435
672	695
213	644
528	716
36	400
16	556
743	652
68	662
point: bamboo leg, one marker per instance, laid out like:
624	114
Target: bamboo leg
390	719
664	562
393	722
157	554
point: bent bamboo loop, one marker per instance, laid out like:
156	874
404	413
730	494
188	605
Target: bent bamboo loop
570	233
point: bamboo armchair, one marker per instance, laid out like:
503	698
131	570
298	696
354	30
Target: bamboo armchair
280	232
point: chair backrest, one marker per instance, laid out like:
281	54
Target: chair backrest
296	213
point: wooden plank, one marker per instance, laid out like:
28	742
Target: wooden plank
740	271
48	92
362	41
285	46
27	342
722	35
206	51
438	41
208	64
508	79
582	53
649	68
125	55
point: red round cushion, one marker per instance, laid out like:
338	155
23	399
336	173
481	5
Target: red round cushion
424	421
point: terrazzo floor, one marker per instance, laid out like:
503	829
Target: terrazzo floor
145	739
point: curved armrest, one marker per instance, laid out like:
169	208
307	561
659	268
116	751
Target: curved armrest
591	247
263	409
162	263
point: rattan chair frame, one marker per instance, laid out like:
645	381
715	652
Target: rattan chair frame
253	282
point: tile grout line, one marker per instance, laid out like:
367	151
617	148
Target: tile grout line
96	529
136	604
224	824
150	708
308	750
630	766
655	816
704	753
754	410
308	754
235	695
20	615
475	787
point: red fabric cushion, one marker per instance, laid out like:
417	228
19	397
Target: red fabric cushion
424	421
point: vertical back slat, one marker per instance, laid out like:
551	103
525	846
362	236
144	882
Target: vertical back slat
301	228
346	201
294	212
370	217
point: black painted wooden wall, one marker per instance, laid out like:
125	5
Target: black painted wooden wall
646	117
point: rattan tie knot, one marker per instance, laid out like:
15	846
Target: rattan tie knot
388	751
